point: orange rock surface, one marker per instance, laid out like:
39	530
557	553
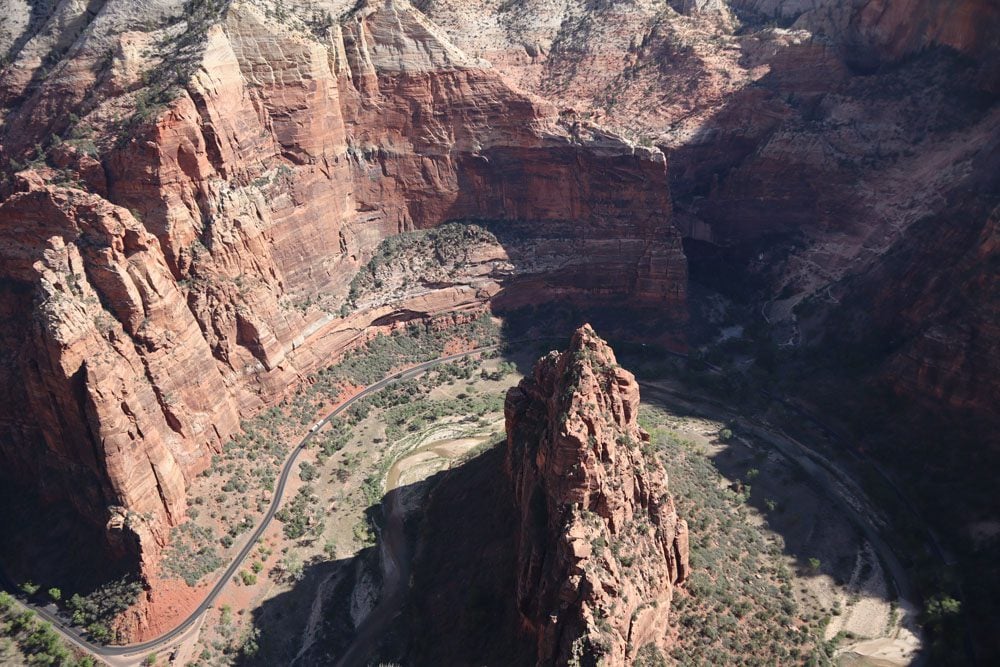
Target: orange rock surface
822	130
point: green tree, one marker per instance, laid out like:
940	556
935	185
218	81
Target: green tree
29	588
307	471
55	594
293	566
941	610
99	632
250	644
23	621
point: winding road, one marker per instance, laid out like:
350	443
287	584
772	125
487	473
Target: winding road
161	643
821	470
836	485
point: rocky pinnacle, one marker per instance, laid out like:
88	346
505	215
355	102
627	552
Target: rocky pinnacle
600	546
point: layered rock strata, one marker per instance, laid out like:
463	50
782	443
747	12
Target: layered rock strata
599	544
805	138
183	255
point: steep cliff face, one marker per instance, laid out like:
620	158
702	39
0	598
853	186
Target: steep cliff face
807	137
108	362
892	28
599	544
183	254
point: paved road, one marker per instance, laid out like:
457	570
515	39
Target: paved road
73	635
160	643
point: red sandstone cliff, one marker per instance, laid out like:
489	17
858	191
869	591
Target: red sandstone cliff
599	544
817	132
182	254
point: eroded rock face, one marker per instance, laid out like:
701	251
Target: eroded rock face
817	131
194	261
600	545
111	361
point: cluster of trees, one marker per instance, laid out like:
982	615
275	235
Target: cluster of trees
301	516
192	553
443	246
96	610
25	639
738	602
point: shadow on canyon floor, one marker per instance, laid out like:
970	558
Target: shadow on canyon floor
52	546
459	607
749	180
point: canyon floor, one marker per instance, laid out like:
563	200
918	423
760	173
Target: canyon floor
222	219
811	581
781	557
333	518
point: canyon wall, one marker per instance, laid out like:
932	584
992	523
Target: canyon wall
599	543
833	169
807	139
181	254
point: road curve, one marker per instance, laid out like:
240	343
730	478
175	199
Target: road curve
72	635
822	471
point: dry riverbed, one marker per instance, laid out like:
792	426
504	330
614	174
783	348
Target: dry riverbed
841	588
813	583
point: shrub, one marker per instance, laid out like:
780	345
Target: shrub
300	514
293	567
191	554
307	471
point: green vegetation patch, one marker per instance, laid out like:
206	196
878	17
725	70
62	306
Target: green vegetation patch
96	611
192	553
737	607
302	515
27	640
249	463
419	343
447	245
